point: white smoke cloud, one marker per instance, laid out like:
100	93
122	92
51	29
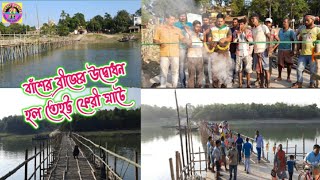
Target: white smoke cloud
222	68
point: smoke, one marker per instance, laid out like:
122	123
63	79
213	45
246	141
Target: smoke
160	8
222	67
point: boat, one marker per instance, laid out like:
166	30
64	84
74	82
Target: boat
124	39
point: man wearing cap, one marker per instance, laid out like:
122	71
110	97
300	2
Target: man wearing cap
273	35
308	35
183	24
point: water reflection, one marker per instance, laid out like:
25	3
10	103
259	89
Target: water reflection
73	58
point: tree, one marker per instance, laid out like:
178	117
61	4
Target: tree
80	18
122	21
63	30
138	12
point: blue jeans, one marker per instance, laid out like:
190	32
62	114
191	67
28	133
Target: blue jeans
239	147
259	153
303	61
182	67
234	169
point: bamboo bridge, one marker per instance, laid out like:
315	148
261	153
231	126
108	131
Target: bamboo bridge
19	46
54	160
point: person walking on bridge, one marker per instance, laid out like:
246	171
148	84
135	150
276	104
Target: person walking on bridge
233	161
217	157
280	163
259	146
247	151
239	143
209	149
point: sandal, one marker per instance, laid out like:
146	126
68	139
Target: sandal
296	85
311	85
289	80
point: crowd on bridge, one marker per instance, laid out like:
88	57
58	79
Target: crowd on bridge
212	54
223	147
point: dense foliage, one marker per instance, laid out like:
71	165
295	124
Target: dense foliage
117	119
119	23
234	112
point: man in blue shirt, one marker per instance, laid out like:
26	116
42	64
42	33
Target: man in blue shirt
313	157
286	50
259	146
247	150
239	143
183	24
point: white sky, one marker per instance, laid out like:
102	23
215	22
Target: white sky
13	100
165	97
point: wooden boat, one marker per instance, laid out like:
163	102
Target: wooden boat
124	39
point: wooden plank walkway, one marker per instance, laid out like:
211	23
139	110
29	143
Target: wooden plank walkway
67	167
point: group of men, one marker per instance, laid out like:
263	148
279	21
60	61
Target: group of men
192	50
233	148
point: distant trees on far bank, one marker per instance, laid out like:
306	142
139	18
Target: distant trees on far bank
241	111
68	24
116	119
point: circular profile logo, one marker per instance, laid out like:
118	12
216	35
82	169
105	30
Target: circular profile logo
12	12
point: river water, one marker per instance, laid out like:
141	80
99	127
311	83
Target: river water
12	153
159	144
73	58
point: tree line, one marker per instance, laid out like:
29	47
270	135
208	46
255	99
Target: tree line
116	119
67	24
241	111
293	9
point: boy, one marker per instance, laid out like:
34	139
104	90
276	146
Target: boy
291	163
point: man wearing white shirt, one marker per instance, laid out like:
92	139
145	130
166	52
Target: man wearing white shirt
259	145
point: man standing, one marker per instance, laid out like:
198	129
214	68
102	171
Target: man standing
286	50
206	32
233	47
309	34
183	25
273	34
233	161
261	33
168	37
209	148
217	157
243	51
239	143
259	146
221	35
247	151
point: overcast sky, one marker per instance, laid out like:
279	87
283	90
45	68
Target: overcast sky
13	100
165	97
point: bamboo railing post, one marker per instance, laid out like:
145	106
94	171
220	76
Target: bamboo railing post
115	160
137	170
35	162
107	161
316	140
200	159
40	148
303	142
177	166
287	146
295	152
26	166
171	169
47	155
180	166
43	168
103	169
187	154
179	123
